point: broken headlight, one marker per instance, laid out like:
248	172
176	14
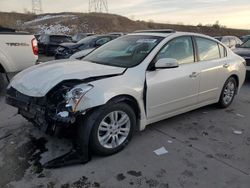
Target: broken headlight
75	95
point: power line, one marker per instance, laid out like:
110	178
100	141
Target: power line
98	6
37	6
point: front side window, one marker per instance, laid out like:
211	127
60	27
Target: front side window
207	49
127	51
180	49
86	40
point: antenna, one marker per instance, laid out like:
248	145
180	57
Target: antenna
98	6
37	6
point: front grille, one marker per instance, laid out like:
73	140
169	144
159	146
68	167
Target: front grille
19	100
13	93
32	108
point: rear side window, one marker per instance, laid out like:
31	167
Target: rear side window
180	49
102	41
223	51
207	49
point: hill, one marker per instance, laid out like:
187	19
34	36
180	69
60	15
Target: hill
69	23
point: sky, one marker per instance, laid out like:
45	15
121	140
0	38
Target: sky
231	13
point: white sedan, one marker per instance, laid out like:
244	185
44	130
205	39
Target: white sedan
127	84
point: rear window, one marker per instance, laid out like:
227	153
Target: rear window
207	49
60	39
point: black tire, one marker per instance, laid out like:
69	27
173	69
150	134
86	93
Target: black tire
94	119
222	103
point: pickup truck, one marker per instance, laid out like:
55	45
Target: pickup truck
18	51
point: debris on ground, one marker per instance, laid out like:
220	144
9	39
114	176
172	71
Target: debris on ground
240	115
161	151
237	132
204	133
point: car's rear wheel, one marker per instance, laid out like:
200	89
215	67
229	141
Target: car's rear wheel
112	128
228	93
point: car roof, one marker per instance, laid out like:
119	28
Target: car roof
165	35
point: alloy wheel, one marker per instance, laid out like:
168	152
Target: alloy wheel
114	129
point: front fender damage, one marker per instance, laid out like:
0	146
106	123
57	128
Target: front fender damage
80	153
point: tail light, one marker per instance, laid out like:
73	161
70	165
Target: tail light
34	46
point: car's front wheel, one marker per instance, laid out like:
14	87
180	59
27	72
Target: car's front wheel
112	128
228	93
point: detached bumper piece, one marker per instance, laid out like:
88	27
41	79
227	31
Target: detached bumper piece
74	157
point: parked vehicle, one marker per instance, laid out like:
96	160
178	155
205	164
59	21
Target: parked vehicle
5	29
65	50
82	54
118	34
245	38
48	43
18	51
156	31
244	51
127	84
229	41
79	36
37	36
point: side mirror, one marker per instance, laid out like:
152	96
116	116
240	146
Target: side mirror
166	63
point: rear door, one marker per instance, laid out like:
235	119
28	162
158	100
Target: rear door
171	90
214	68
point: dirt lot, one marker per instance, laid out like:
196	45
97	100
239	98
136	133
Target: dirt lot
203	151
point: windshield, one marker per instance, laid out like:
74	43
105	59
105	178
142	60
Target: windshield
127	51
86	40
246	44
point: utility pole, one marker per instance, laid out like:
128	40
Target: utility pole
98	6
37	6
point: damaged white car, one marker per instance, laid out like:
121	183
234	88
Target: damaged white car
131	82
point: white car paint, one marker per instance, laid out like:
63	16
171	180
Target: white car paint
185	88
15	57
36	81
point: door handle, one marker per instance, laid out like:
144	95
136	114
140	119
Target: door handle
194	75
226	65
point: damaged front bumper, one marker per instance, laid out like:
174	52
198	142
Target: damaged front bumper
39	112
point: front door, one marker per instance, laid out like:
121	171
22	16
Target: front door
171	90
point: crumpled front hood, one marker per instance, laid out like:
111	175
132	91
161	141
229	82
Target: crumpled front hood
242	51
38	80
